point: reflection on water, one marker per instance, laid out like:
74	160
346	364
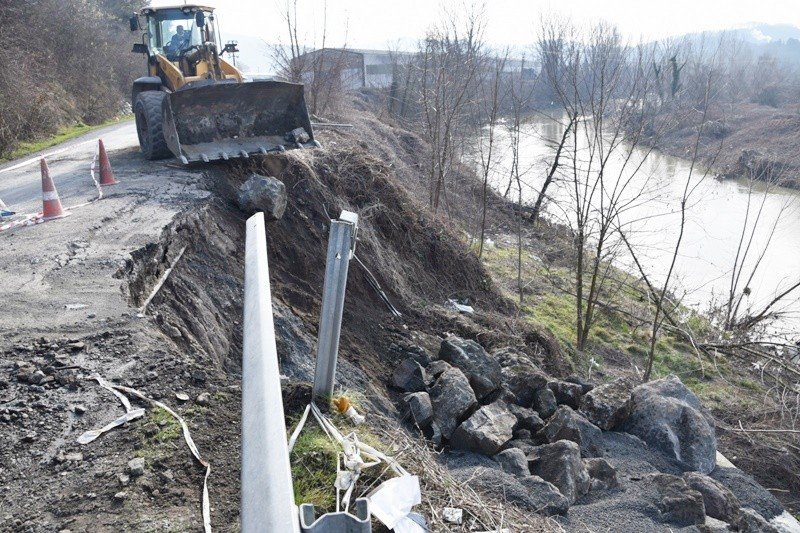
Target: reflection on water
717	212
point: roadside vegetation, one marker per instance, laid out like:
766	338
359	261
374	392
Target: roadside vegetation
67	66
65	133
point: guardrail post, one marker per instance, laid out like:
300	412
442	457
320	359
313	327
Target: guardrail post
267	493
341	246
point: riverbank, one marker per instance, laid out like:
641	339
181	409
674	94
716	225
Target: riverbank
750	140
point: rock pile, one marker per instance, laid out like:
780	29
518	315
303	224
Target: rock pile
547	437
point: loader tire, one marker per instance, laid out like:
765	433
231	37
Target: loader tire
149	125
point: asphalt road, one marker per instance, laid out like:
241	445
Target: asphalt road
69	163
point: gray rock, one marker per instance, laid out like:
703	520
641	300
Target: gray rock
435	369
486	431
523	434
560	464
566	424
566	393
544	402
298	135
526	445
523	381
752	522
585	385
263	193
720	503
679	505
667	415
513	461
531	493
609	405
546	497
120	496
434	434
409	376
527	419
136	467
203	399
603	475
483	372
452	399
419	405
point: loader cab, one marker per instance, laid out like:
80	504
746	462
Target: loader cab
195	23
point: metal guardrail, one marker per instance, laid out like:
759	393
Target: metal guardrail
341	248
267	494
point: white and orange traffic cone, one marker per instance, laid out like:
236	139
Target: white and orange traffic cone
106	174
51	204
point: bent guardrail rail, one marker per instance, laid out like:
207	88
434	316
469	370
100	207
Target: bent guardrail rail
267	493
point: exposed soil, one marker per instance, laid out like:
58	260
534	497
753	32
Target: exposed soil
190	340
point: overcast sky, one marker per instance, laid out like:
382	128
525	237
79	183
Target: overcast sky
377	24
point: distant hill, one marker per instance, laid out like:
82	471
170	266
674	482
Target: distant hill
779	40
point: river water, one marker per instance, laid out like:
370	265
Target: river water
653	184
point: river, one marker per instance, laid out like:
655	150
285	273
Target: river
716	213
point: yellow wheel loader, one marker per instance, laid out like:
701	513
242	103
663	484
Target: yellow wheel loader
196	105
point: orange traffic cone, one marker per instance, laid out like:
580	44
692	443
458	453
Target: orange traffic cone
106	174
51	203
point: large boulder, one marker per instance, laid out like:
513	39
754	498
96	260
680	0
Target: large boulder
609	405
679	505
420	407
263	193
452	399
566	393
486	431
484	373
669	417
560	464
513	461
720	502
409	376
544	402
566	424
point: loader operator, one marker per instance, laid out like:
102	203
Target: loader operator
179	41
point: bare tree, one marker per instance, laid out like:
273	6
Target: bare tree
447	67
323	70
491	99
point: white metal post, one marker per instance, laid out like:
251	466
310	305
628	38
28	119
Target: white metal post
341	244
267	494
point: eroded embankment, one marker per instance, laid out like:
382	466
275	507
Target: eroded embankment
418	260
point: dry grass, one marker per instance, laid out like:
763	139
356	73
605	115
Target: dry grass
482	512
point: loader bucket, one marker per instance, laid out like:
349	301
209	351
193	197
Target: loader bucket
229	120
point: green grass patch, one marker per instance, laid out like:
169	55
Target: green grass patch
168	427
314	458
314	469
63	134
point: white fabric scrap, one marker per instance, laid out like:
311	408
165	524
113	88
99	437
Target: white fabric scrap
392	502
